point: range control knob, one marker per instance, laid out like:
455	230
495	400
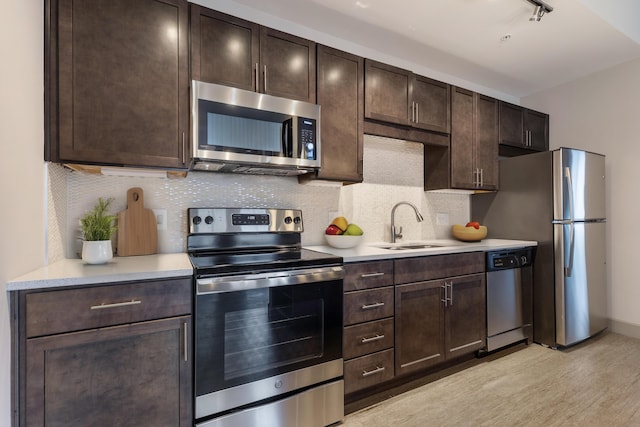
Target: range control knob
208	219
288	220
196	220
296	220
524	259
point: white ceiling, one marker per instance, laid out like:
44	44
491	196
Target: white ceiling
462	38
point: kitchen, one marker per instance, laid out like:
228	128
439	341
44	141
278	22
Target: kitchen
604	98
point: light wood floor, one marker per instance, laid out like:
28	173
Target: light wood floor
596	383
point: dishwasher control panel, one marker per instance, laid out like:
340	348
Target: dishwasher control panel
508	259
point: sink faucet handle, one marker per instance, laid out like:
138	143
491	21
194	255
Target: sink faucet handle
397	234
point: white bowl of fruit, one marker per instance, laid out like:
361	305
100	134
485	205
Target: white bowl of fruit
343	235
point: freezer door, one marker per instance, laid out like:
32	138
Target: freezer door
578	181
581	291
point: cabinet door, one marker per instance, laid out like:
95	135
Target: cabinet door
386	92
463	174
465	317
431	104
122	75
340	95
287	65
486	141
537	125
132	375
224	49
419	318
511	125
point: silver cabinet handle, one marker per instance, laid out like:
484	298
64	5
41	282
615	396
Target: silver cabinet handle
377	370
115	304
448	293
481	177
367	275
376	337
413	112
417	113
184	150
257	77
265	80
374	305
186	341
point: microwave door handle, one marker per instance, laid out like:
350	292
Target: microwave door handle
287	148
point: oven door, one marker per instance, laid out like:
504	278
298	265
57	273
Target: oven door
264	335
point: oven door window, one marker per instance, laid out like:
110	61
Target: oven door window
248	335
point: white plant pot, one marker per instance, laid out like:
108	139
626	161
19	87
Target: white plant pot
96	252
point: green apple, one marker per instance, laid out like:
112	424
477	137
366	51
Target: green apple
353	230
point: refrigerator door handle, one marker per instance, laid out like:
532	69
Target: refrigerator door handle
567	174
568	269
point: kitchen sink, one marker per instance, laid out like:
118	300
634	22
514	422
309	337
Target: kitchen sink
403	247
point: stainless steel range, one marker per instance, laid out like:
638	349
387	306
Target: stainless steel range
268	321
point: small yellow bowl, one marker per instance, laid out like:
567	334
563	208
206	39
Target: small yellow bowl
469	234
343	242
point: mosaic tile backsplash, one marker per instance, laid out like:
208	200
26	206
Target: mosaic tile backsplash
393	172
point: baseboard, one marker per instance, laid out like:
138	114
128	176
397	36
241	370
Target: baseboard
623	328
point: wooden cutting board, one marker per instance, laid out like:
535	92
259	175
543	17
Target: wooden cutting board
137	227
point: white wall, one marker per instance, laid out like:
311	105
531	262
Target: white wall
600	113
21	161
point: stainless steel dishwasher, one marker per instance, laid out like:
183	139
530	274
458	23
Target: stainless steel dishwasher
509	297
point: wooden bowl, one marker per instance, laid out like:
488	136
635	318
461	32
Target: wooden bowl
469	234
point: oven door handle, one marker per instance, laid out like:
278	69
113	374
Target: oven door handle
211	285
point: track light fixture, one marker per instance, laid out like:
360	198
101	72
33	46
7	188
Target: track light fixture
540	10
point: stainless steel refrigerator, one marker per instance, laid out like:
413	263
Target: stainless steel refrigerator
558	199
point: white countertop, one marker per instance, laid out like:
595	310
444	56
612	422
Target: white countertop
70	272
367	251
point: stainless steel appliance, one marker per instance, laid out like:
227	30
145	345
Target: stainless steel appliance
268	321
240	131
558	199
509	298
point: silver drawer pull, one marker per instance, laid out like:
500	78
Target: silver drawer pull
374	305
366	275
371	339
115	304
375	371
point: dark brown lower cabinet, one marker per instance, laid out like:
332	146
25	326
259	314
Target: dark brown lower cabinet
419	326
438	320
130	375
115	354
465	315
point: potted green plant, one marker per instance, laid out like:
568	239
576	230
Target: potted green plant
97	229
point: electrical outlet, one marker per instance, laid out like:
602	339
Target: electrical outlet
442	219
161	218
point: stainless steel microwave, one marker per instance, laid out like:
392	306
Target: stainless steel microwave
236	130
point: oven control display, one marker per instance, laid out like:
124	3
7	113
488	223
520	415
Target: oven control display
250	219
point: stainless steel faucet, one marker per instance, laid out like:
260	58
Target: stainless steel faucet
398	235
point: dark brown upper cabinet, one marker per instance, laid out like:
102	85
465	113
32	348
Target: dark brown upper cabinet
431	104
524	129
474	140
340	96
398	96
117	79
234	52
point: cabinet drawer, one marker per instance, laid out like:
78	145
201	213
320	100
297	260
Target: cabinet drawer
368	371
363	306
367	338
69	310
366	275
419	269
